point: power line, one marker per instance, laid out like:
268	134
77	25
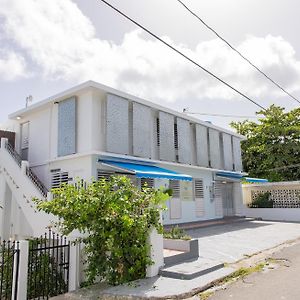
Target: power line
238	52
181	53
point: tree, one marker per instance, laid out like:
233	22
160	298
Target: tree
272	147
115	217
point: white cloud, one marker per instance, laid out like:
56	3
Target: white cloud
62	43
12	65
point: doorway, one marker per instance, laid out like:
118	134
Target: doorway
227	196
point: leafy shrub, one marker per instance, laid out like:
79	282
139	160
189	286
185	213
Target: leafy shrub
262	201
115	218
176	233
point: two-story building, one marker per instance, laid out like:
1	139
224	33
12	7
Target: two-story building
92	130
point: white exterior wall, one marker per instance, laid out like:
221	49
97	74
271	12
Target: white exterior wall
214	149
188	208
184	141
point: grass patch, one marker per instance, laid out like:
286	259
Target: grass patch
243	272
205	295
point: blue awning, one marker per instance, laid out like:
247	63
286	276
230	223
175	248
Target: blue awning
230	175
147	171
259	180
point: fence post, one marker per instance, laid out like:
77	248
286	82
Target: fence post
24	166
156	253
23	272
74	266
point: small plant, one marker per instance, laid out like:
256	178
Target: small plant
176	233
262	201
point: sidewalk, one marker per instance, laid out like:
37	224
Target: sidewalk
228	244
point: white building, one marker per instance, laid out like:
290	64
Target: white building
92	130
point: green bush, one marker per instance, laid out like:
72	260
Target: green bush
115	218
176	233
262	201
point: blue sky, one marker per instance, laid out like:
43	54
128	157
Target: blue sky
48	46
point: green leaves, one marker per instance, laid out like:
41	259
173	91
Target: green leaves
117	217
272	144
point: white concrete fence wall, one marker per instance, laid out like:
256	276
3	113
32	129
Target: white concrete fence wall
75	267
286	197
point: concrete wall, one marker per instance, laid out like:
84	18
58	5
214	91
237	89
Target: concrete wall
273	214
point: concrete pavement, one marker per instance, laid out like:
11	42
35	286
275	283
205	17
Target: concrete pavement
282	283
225	243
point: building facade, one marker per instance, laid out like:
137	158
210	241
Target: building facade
93	131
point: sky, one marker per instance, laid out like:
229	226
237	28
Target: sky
49	46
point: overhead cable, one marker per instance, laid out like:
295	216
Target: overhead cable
182	54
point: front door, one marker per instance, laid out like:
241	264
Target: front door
227	196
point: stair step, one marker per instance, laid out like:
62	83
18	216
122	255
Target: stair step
191	270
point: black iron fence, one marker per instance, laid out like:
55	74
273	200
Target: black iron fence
48	266
9	269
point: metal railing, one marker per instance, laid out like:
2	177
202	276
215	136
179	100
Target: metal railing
14	154
36	181
48	266
9	269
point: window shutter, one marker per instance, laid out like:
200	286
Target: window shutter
199	198
58	178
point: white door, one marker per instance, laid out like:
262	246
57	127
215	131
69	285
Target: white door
175	202
218	199
227	195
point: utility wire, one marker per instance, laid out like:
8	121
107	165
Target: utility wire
182	54
238	52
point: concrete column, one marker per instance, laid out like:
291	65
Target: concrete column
2	204
74	267
3	142
24	166
156	253
21	280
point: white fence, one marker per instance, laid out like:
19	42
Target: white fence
285	196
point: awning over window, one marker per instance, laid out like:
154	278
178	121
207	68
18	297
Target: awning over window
258	180
230	175
147	171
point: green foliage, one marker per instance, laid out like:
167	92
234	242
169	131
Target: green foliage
272	144
115	218
262	201
176	233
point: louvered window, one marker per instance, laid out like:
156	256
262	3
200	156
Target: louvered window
175	137
157	132
175	186
199	192
149	182
199	198
102	174
58	178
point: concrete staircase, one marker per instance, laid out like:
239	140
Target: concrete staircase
24	186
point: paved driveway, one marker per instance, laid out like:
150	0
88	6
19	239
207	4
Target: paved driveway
232	242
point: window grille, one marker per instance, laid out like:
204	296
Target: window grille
58	178
175	186
199	191
102	174
147	181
